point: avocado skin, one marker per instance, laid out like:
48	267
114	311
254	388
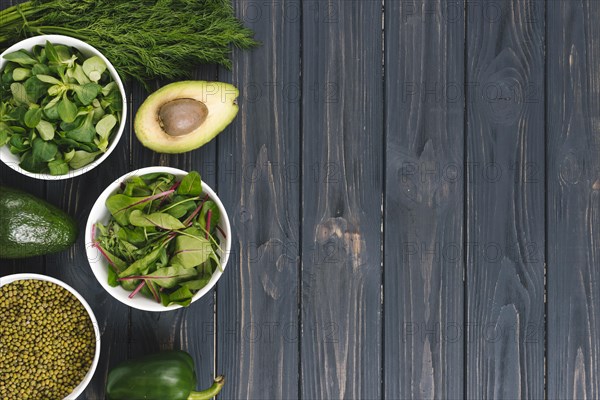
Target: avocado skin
31	227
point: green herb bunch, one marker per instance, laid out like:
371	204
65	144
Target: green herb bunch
162	238
143	39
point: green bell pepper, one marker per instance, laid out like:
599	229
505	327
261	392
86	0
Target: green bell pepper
166	375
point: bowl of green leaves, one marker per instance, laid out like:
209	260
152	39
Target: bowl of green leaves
158	238
62	107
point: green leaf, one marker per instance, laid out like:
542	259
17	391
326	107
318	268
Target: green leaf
67	110
191	251
85	132
18	144
102	144
65	142
68	156
4	134
113	101
112	278
57	90
161	183
158	220
19	93
191	185
182	296
31	163
106	90
20	57
51	53
33	116
135	235
44	151
35	89
136	187
20	74
40	69
144	264
58	167
214	217
45	129
39	53
64	54
87	93
196	284
48	79
82	158
51	109
98	111
105	126
69	126
155	176
120	206
180	206
93	68
169	277
77	73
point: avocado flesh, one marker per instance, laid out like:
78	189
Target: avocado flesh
31	227
219	99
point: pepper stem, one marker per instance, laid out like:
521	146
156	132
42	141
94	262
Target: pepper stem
210	392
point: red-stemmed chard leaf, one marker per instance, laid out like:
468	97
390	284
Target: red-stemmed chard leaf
119	203
137	289
167	277
158	220
173	188
108	258
153	290
208	215
190	219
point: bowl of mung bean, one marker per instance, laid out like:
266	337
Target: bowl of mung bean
49	339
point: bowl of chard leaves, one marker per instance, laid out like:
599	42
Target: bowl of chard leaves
158	238
62	108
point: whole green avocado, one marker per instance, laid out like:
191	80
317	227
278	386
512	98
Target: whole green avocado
31	227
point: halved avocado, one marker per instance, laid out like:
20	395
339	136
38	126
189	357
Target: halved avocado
183	116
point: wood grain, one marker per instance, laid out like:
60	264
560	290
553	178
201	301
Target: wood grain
342	130
257	298
423	278
11	178
190	329
76	197
573	200
505	200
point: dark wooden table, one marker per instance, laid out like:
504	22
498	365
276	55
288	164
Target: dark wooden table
414	192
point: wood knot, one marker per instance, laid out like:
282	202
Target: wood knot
570	169
504	89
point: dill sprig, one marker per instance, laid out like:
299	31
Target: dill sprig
144	39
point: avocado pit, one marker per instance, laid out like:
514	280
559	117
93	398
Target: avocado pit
182	116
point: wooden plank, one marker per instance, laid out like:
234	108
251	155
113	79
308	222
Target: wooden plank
190	329
77	196
13	179
573	199
342	119
423	285
258	158
505	200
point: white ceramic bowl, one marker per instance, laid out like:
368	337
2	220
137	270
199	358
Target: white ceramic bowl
5	280
99	265
12	160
